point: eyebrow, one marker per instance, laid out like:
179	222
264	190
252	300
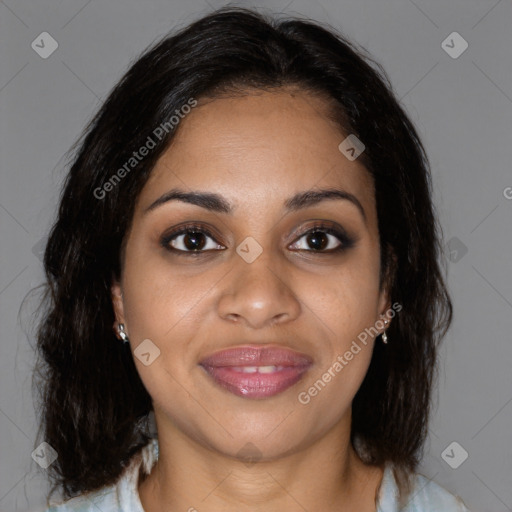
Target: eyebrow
216	203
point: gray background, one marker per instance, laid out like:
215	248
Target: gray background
461	106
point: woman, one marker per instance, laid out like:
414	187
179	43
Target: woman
246	248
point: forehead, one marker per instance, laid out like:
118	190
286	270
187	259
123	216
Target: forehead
261	145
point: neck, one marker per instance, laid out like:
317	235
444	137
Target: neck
191	477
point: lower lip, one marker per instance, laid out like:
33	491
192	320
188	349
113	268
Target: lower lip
256	385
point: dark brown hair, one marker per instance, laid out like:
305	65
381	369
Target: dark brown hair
94	407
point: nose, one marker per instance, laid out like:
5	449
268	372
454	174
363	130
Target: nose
258	294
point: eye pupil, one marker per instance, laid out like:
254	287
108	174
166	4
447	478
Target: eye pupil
194	241
318	240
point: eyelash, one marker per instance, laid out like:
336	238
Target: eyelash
323	227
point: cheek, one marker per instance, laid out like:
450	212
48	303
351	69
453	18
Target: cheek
345	301
161	298
168	306
165	306
330	389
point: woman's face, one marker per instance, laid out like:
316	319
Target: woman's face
262	275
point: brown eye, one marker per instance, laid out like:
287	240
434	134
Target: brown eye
190	239
318	240
194	240
324	239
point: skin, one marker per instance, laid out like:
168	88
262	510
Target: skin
255	150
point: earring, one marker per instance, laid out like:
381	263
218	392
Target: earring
122	333
384	335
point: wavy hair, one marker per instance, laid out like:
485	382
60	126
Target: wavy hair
94	408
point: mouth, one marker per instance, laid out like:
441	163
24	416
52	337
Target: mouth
256	372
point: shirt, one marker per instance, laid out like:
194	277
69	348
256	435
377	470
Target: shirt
123	496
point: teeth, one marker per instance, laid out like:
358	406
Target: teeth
267	369
257	369
249	369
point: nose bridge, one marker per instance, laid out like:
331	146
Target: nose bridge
255	265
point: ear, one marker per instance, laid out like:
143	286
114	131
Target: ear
117	303
387	282
384	305
384	302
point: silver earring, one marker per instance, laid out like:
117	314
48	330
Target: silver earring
122	333
384	335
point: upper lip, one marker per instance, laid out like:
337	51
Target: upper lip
248	355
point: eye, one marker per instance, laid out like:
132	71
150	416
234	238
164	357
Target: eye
323	238
192	239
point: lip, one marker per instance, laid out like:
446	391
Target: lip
256	372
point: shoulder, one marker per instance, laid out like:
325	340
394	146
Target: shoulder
425	496
103	499
121	496
428	496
